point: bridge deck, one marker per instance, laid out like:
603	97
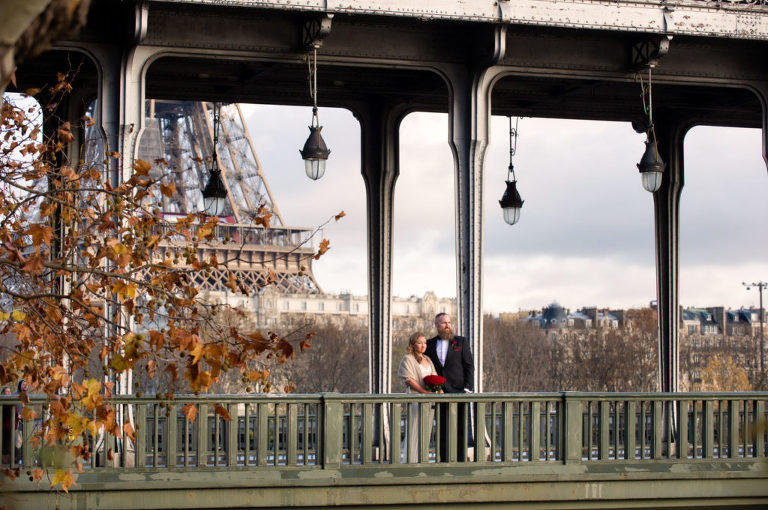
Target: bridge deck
539	451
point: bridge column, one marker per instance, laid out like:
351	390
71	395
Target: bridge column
670	133
763	96
379	126
468	121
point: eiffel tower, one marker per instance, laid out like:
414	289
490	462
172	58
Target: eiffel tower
181	133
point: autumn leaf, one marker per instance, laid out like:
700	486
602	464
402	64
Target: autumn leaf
65	133
28	414
124	290
40	234
340	216
304	345
93	397
205	231
128	431
141	167
63	477
34	264
169	190
190	411
117	247
231	282
324	247
222	411
196	353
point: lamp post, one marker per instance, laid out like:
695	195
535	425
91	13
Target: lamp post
760	287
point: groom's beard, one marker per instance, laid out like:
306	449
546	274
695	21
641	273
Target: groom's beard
445	335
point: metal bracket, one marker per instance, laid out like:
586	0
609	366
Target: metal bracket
315	30
648	52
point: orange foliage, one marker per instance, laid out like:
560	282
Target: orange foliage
84	278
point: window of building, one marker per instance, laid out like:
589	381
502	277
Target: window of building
303	305
286	305
321	306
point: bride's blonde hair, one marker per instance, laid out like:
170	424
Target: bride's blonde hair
412	341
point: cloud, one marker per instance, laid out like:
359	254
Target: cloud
585	236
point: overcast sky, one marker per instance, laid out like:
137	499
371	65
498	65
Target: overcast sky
585	235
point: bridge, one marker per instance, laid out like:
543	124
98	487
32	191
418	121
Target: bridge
554	450
470	59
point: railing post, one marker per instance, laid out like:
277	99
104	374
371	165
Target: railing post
232	439
202	435
366	445
759	434
658	422
262	437
733	428
508	441
395	416
682	430
27	428
605	431
171	422
572	426
708	428
630	428
140	442
534	451
479	432
333	430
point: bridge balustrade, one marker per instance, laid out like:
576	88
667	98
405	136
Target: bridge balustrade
330	431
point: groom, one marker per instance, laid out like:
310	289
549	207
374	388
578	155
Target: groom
452	358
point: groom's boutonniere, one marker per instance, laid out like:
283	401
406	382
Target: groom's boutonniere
455	345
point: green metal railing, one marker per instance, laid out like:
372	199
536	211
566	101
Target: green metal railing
330	431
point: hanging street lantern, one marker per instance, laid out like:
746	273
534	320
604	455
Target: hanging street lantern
651	165
510	202
215	193
315	153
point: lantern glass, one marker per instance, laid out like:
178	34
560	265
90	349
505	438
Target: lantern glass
511	214
214	206
651	181
315	168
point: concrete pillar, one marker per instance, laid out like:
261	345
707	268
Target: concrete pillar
763	97
379	126
469	118
670	133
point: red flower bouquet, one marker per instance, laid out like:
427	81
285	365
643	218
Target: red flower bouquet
434	382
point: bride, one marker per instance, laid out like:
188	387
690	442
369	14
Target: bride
413	369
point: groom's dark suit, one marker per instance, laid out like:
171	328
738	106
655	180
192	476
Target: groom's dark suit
459	373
